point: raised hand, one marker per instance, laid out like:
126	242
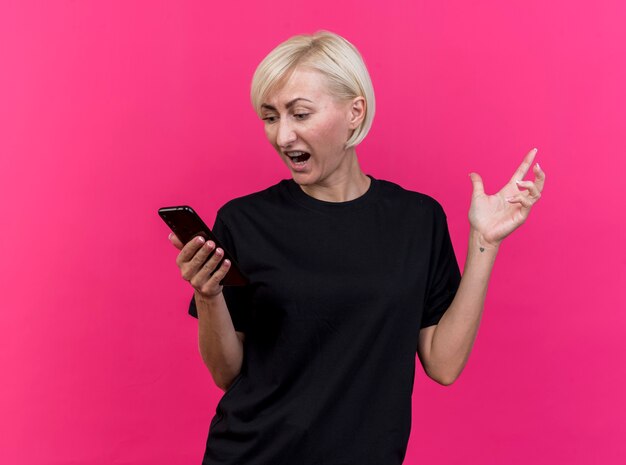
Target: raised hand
496	216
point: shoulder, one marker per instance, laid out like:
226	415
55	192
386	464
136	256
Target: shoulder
255	202
396	194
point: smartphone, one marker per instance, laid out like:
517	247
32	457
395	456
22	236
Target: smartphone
186	224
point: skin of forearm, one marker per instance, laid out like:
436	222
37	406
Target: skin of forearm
455	333
220	348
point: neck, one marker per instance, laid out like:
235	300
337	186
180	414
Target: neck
342	185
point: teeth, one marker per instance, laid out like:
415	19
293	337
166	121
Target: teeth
295	154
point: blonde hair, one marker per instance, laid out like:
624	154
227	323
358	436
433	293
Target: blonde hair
331	55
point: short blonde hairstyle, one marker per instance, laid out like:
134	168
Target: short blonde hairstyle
328	53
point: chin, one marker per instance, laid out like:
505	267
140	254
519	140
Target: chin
302	179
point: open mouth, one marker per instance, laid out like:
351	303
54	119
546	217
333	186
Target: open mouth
299	157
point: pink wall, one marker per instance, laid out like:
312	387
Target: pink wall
109	110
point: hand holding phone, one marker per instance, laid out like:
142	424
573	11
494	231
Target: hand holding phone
205	274
203	261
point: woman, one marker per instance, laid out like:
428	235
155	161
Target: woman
349	277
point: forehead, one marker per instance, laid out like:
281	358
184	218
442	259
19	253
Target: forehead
302	83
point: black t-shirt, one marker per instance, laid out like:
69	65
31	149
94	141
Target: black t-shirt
338	293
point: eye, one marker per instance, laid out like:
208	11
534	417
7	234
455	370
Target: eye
269	119
301	116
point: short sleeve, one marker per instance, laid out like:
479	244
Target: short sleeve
238	298
444	275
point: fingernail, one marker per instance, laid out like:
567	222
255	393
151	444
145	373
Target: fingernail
538	165
200	239
535	150
170	236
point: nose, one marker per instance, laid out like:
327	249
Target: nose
286	135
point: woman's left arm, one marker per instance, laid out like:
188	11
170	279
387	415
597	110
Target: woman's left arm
444	348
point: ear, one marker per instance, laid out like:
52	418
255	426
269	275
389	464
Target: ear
356	112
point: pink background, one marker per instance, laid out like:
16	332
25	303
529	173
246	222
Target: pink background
110	110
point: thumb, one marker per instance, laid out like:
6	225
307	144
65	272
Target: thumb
477	184
176	241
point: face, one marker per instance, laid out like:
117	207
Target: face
309	127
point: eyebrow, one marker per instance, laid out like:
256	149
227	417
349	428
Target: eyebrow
288	105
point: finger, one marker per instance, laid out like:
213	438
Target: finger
203	273
189	250
540	177
221	272
522	199
477	184
191	268
525	166
532	189
176	241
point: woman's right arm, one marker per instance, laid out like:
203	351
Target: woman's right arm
220	345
